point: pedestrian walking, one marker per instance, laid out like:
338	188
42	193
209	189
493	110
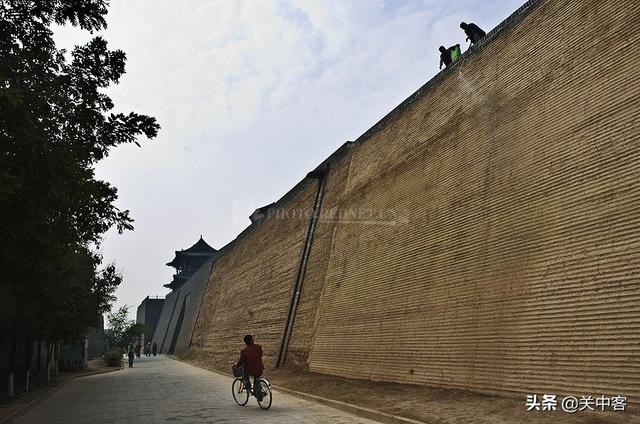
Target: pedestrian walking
155	348
473	31
147	349
131	354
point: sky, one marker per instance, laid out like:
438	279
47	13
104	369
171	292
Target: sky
250	96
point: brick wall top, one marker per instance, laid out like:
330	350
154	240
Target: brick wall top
347	147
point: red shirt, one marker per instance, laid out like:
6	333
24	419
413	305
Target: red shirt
251	358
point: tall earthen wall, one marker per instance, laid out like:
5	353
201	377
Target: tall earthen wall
484	235
191	295
519	176
168	314
316	267
251	283
179	312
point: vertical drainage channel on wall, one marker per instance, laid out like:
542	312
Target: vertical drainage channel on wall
293	305
176	332
204	293
170	319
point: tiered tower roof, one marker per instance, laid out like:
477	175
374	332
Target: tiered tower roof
187	261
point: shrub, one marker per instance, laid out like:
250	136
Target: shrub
113	358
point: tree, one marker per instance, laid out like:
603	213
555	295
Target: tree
123	331
55	125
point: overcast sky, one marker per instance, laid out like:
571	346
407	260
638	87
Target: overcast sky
251	95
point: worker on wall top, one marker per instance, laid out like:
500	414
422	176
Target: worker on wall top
473	31
448	56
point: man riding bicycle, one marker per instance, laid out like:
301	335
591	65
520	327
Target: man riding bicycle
251	361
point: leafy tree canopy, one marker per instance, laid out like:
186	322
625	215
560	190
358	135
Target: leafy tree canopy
56	122
123	331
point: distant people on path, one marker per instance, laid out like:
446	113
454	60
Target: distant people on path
155	348
473	31
147	349
131	353
251	361
138	349
447	56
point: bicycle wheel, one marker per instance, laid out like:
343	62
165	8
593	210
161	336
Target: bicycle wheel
265	387
240	393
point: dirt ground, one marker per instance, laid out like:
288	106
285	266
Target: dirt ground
434	405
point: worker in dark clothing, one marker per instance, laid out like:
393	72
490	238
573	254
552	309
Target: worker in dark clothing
447	56
473	31
251	361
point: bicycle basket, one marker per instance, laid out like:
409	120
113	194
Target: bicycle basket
237	371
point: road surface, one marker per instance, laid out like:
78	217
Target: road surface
163	390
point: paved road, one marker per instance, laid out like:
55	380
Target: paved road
162	390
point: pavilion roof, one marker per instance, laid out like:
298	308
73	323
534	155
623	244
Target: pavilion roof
200	248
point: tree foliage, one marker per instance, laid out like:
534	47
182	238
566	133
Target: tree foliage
56	123
123	331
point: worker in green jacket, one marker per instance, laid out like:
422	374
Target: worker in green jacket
448	56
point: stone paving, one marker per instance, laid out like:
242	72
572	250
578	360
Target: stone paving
162	390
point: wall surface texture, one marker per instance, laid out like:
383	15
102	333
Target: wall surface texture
485	235
191	294
179	313
161	334
251	283
314	277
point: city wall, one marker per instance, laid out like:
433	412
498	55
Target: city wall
161	333
484	235
190	298
179	312
252	281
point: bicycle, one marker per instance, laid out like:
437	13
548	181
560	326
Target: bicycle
241	393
